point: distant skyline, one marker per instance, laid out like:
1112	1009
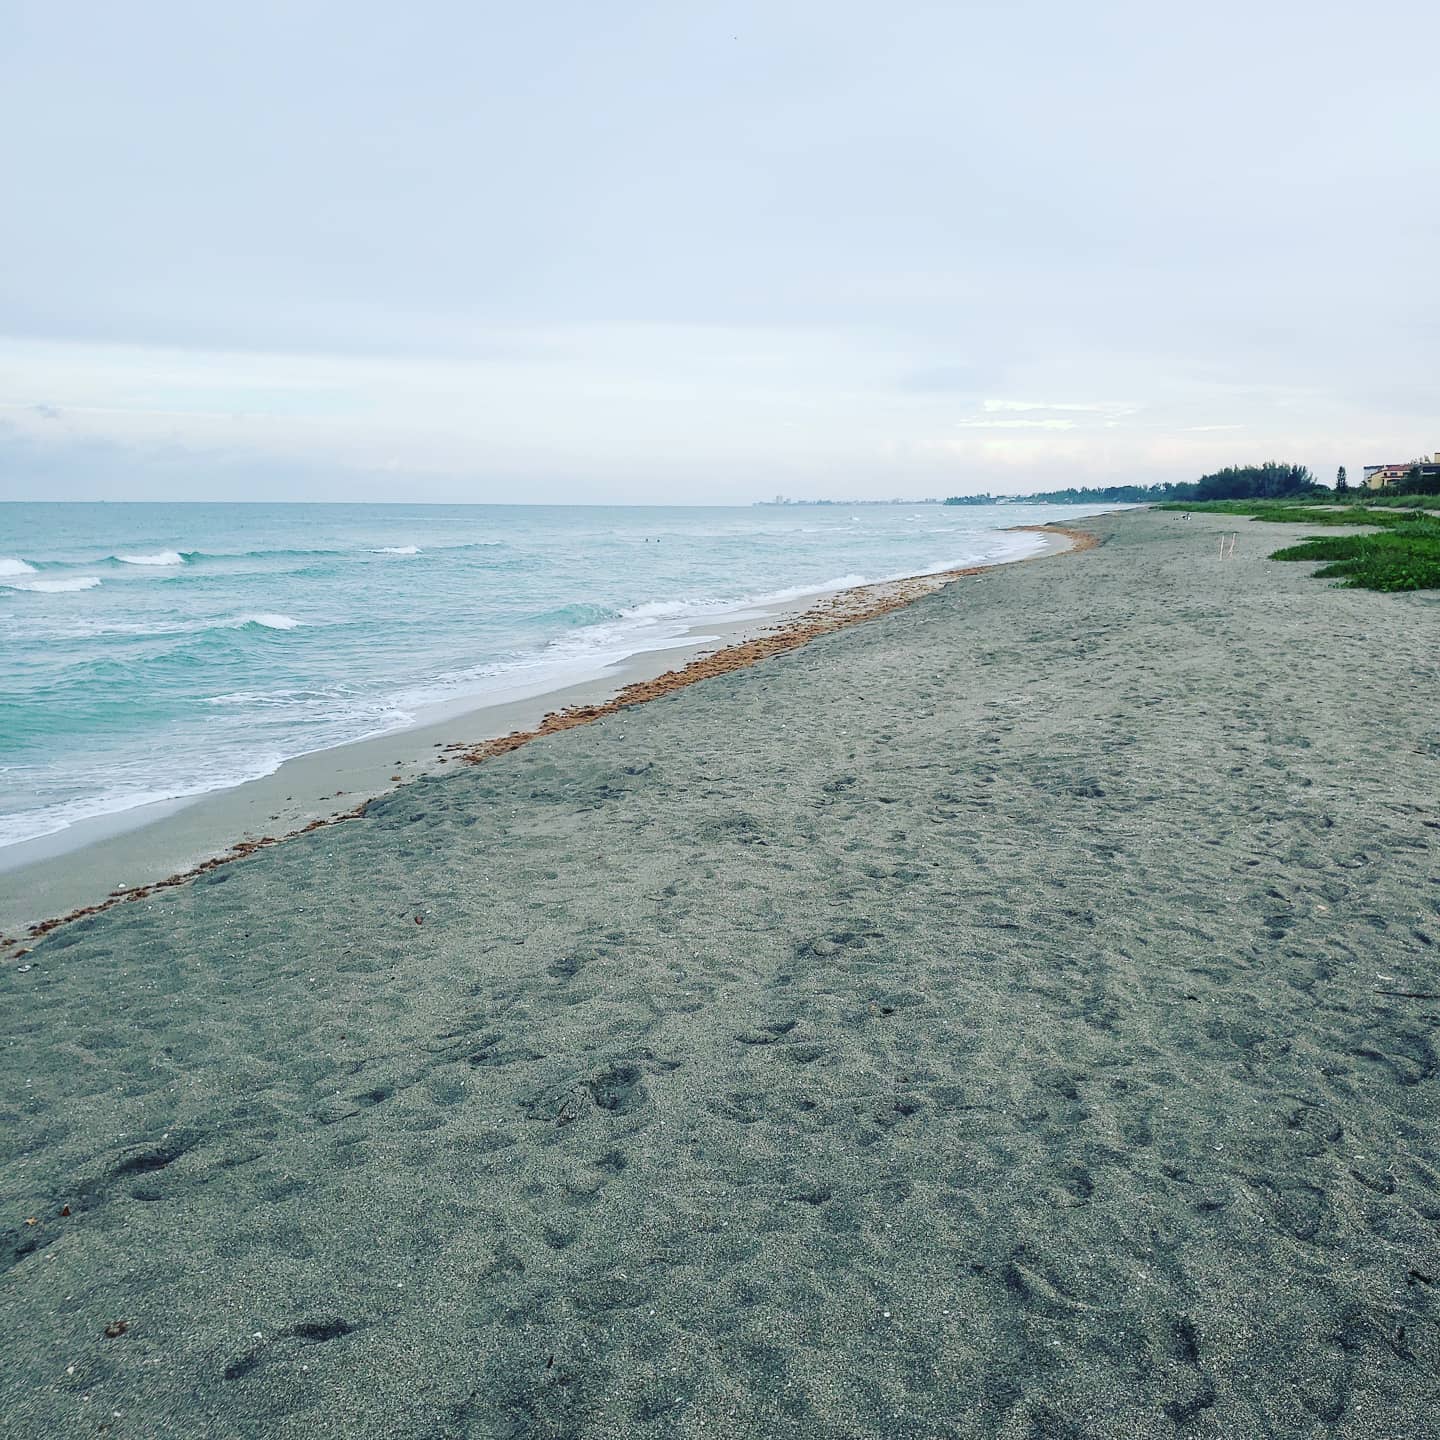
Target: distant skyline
672	253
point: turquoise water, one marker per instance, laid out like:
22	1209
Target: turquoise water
150	651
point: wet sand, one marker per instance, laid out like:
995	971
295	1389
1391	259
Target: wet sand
1010	1016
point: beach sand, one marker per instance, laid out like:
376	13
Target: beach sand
135	850
1012	1016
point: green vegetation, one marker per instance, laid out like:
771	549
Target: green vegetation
1399	551
1255	482
1099	494
1322	508
1419	480
1267	481
1403	557
1399	500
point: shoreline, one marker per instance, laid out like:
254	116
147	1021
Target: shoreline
847	607
1009	1017
76	867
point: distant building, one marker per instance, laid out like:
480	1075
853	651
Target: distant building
1377	477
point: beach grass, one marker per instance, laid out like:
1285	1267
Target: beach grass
1298	511
1404	555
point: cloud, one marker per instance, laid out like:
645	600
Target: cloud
1094	408
1048	415
983	424
851	260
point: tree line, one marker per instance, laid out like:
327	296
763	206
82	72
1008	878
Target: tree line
1269	481
1416	481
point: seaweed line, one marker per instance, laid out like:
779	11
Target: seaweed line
838	612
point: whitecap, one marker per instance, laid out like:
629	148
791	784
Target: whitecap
15	567
799	592
268	620
397	550
661	610
162	557
54	587
253	699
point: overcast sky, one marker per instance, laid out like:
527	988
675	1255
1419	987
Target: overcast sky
683	252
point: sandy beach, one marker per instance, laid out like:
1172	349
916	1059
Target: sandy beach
131	853
1011	1016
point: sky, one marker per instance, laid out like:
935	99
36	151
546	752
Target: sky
672	252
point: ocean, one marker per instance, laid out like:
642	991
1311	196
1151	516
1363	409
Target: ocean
155	651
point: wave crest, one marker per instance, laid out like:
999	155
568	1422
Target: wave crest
662	610
54	587
9	566
397	550
161	557
577	613
267	620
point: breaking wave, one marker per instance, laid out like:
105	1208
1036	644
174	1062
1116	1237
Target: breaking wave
54	587
267	621
161	557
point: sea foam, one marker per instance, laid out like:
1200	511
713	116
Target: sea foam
268	621
162	557
664	610
54	587
171	688
799	592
